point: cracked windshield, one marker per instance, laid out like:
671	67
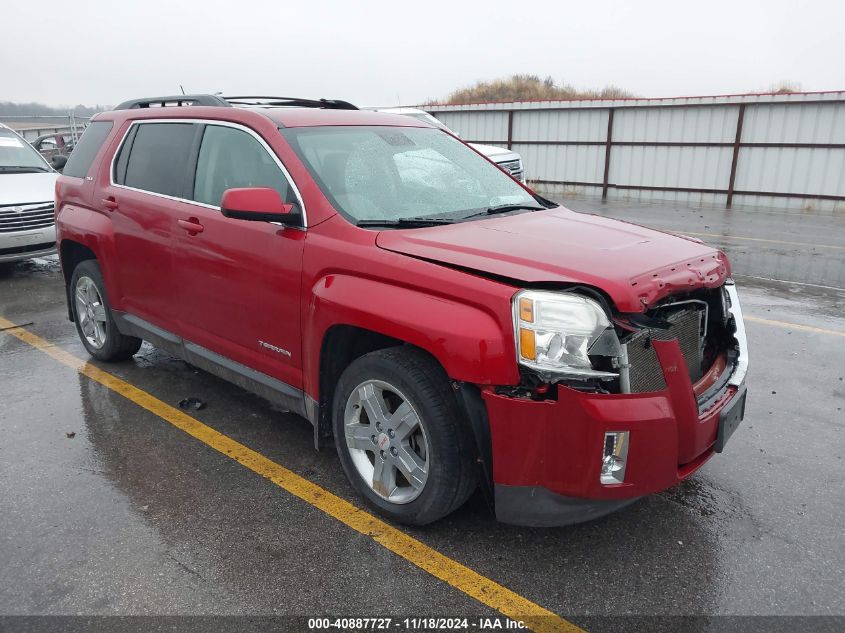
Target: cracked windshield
401	173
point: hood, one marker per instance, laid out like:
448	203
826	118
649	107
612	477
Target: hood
634	265
496	153
27	188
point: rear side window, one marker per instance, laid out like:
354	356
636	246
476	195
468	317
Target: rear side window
232	158
158	158
86	149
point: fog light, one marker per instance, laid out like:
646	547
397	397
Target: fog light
614	458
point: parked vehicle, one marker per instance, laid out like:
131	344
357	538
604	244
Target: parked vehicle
445	325
508	160
27	223
54	144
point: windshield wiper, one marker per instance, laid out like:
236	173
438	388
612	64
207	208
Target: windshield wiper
504	208
21	169
405	222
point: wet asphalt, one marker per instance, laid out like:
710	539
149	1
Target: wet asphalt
806	247
131	516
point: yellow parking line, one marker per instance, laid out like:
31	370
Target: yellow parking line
464	579
759	239
793	326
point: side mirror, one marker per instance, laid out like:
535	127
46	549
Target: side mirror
58	161
258	204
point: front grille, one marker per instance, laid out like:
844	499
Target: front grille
645	371
513	167
23	217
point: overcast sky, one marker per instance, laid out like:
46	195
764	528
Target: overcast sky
384	53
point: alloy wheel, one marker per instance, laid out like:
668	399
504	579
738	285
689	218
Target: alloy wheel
91	312
386	440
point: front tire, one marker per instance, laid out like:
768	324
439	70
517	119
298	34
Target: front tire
92	315
402	439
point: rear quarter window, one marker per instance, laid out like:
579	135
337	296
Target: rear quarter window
86	149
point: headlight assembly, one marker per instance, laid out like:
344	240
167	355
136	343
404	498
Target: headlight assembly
554	333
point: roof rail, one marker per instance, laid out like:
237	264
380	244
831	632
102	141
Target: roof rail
296	102
217	101
178	100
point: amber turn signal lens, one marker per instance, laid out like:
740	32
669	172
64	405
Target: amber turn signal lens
527	347
526	310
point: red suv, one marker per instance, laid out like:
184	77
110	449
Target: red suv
444	325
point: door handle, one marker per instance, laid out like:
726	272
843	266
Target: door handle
191	225
110	203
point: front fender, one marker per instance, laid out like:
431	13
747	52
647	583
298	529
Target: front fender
472	343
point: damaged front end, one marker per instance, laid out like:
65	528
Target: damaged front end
578	341
613	406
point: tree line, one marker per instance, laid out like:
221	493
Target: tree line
529	88
10	109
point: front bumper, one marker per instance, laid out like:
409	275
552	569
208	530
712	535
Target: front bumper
22	245
547	454
535	506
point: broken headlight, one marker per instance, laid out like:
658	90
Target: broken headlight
554	333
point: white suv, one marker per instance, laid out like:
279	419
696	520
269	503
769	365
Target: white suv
27	184
510	161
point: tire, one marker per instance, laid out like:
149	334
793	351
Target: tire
93	317
429	451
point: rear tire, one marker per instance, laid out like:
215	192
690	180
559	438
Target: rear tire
94	321
401	436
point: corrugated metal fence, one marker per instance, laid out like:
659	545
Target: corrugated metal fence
756	150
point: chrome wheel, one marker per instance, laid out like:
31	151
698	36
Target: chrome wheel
91	312
386	440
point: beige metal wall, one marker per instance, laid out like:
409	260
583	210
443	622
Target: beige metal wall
790	152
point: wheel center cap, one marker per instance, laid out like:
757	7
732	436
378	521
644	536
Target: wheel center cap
383	441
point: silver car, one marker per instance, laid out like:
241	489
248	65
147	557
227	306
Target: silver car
27	183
